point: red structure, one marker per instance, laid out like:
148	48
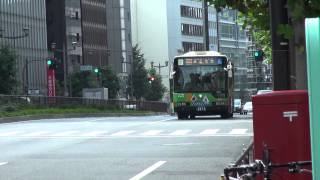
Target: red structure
281	128
51	79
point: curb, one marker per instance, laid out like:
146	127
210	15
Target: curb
62	116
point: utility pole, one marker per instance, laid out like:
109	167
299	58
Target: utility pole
218	36
65	71
280	46
206	25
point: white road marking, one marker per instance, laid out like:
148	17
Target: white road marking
180	144
11	133
180	132
238	131
122	133
33	134
3	163
66	133
94	134
148	170
151	133
209	132
162	120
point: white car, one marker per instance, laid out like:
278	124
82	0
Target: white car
247	108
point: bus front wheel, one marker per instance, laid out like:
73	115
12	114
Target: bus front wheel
226	115
182	115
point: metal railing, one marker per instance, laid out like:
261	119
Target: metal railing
246	157
43	101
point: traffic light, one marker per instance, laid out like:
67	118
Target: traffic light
258	55
96	70
51	63
151	79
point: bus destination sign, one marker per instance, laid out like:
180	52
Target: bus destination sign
201	61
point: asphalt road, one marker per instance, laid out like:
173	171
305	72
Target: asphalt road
121	148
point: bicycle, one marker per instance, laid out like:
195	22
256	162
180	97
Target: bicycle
263	167
250	171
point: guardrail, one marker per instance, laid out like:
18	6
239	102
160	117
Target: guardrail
246	157
44	101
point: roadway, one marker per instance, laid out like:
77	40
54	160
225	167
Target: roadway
121	148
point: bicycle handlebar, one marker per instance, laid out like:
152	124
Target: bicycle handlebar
258	167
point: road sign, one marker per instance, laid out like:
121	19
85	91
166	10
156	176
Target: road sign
86	68
34	92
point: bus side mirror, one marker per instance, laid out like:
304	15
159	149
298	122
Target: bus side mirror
172	74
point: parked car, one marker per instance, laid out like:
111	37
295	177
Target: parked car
237	105
247	107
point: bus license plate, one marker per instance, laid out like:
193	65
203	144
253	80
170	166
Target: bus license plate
201	108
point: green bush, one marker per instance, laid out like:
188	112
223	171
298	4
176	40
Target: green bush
10	108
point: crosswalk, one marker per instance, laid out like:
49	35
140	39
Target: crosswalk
125	133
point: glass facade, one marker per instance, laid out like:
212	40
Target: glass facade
94	27
32	49
233	41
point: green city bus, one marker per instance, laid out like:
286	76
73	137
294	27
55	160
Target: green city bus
202	84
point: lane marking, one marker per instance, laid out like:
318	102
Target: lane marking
122	133
10	133
180	144
180	132
238	131
209	132
151	133
94	133
148	170
40	133
3	163
164	120
66	133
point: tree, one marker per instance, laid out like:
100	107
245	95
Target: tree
256	13
81	80
139	75
110	81
155	89
7	70
87	79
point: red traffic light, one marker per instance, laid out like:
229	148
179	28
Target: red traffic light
151	79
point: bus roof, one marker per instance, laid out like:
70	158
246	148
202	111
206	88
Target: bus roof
200	54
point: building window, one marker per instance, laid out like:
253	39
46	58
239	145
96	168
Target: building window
227	31
191	30
191	12
192	46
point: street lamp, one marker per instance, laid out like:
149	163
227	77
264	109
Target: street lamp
159	66
25	34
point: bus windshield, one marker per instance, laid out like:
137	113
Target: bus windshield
200	78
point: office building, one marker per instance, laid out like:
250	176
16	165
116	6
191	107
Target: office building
119	41
23	28
65	38
94	28
175	27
